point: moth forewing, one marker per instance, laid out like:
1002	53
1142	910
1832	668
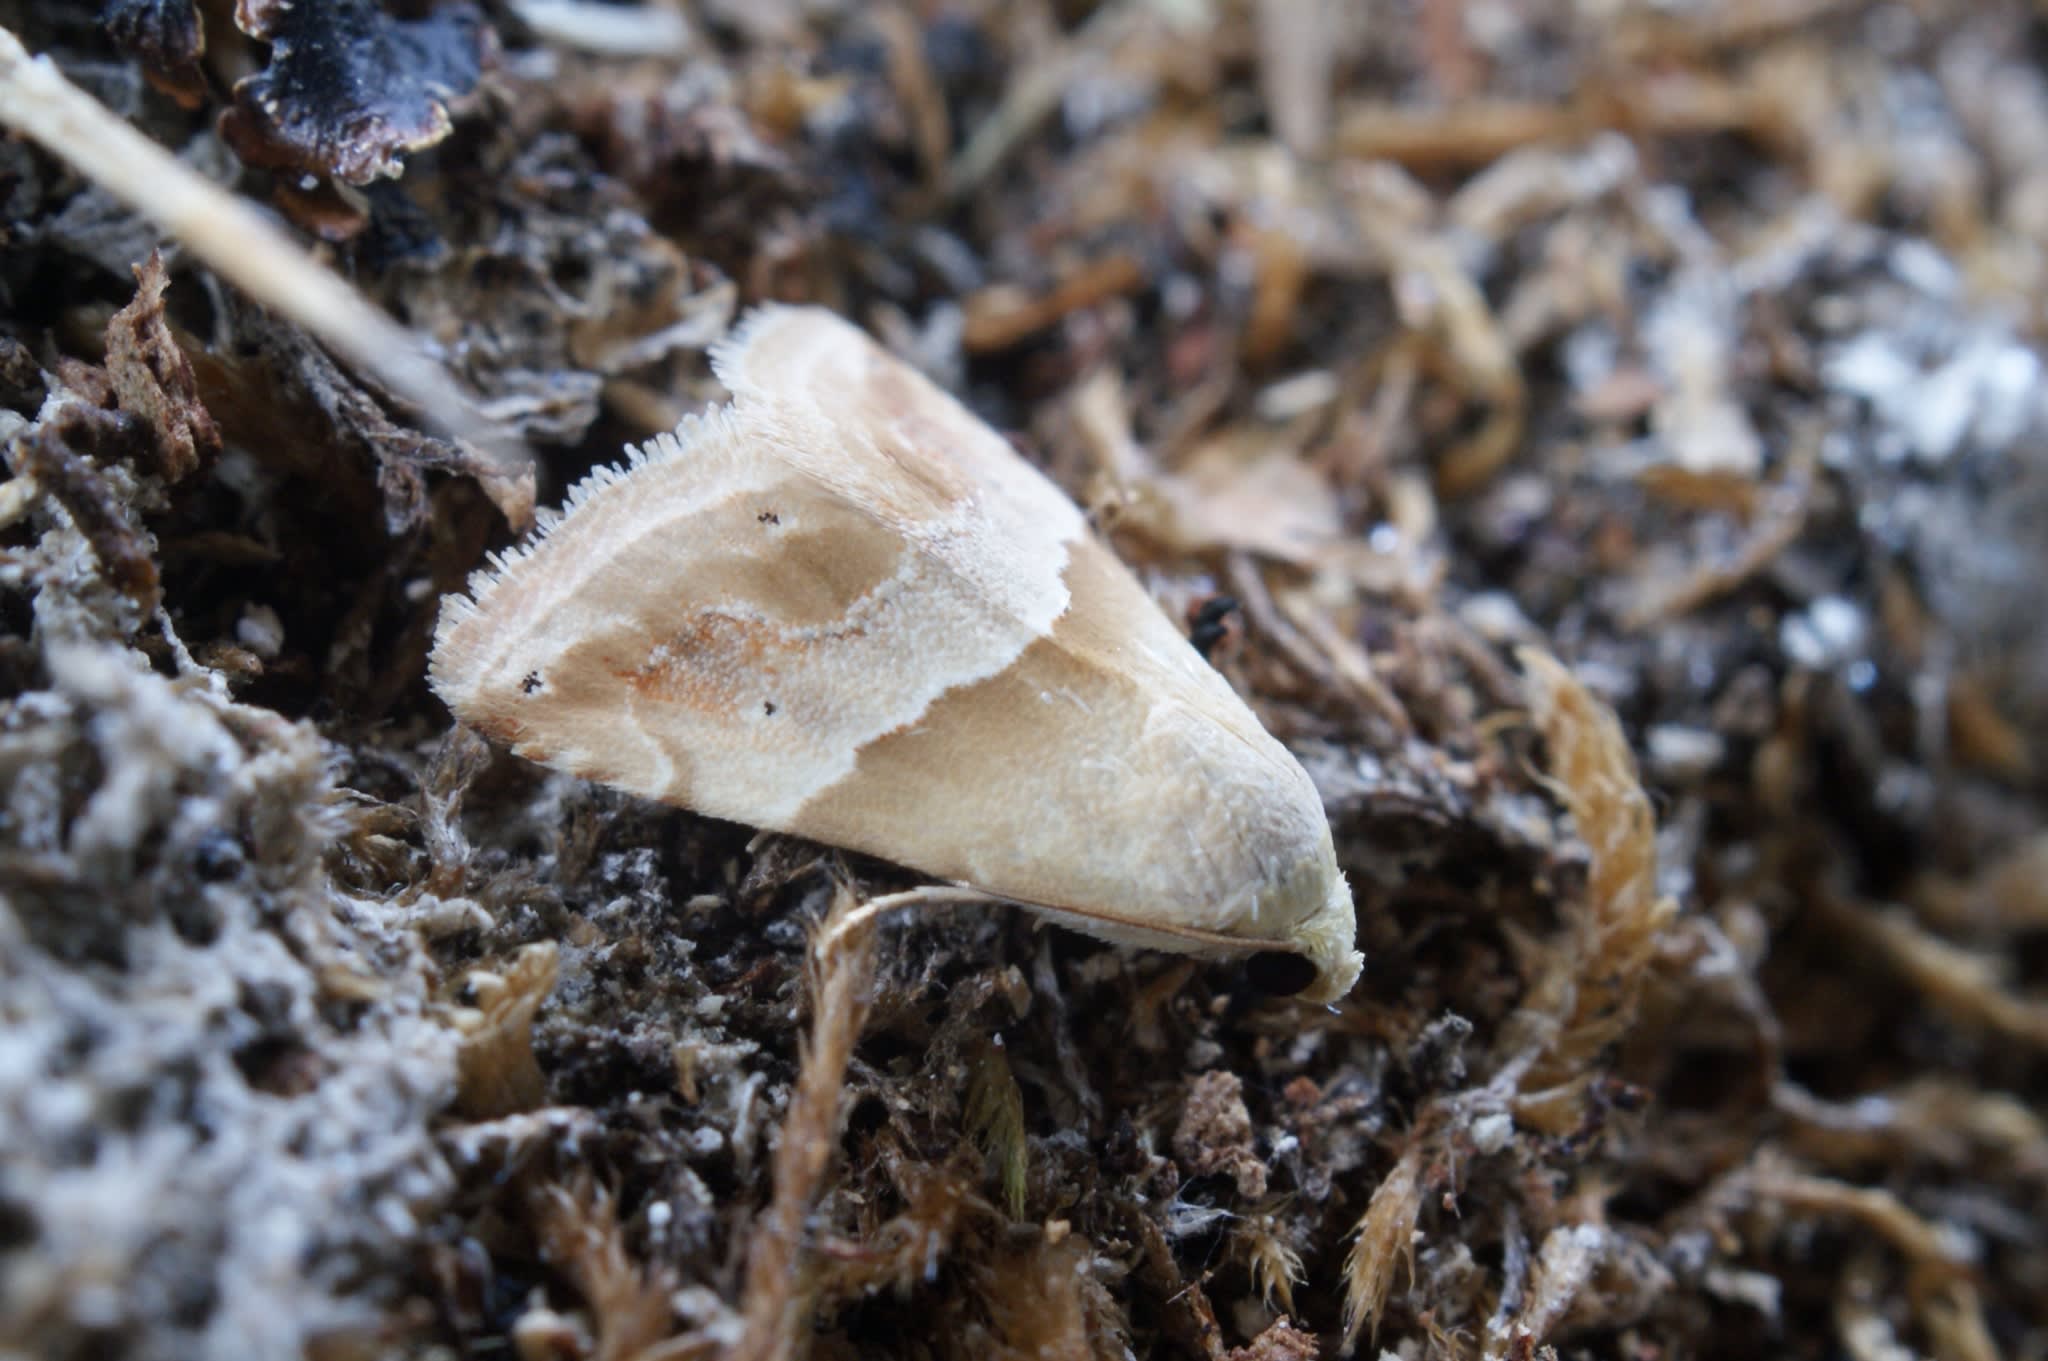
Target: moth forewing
844	608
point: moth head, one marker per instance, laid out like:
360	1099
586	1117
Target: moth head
1329	940
1321	961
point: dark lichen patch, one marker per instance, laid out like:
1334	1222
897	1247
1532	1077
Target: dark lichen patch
167	39
21	378
349	89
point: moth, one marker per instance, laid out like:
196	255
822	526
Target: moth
844	608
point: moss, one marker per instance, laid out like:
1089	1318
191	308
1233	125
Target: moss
1696	348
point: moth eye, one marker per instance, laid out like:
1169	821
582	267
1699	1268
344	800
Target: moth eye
1280	973
1209	622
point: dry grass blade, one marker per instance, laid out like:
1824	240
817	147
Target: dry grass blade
235	239
1777	531
1782	518
777	1289
1035	96
1451	311
1295	61
2009	893
999	317
1564	1267
1924	1244
1966	984
1942	1121
650	30
1473	133
1953	1315
1949	1305
1274	623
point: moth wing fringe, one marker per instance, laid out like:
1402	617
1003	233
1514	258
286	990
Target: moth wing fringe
458	608
728	353
665	447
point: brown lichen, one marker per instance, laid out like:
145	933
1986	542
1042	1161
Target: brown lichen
1215	1134
153	380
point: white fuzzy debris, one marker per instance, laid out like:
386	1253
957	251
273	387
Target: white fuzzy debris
261	631
1826	634
1564	1266
1689	338
1984	396
1682	755
645	31
1921	267
1300	395
1491	1133
253	1221
1497	617
1756	1289
148	740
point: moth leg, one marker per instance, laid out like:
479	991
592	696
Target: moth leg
858	919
